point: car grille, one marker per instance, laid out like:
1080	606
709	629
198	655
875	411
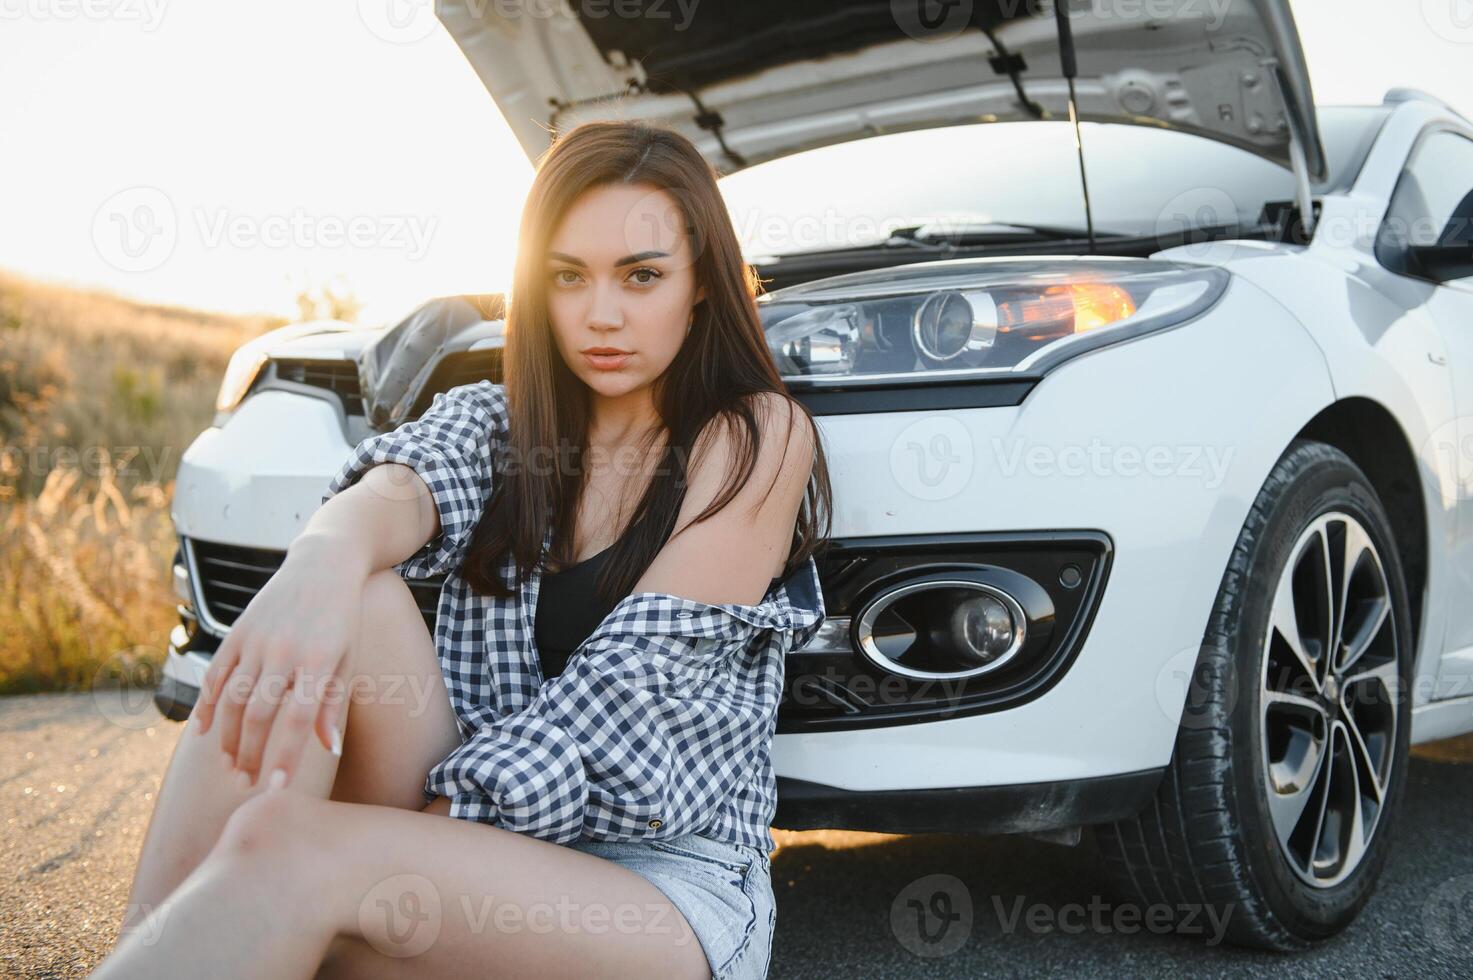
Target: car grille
339	377
228	575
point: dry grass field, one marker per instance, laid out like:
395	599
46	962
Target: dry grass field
99	397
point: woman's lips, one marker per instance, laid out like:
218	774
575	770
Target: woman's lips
607	362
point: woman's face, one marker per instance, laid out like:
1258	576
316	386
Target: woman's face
620	275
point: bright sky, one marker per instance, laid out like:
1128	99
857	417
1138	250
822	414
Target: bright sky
292	142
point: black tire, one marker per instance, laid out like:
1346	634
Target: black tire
1208	840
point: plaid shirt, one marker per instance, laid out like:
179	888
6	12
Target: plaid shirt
661	723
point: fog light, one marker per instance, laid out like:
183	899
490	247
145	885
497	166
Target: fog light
982	629
952	625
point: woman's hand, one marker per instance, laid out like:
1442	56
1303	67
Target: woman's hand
282	666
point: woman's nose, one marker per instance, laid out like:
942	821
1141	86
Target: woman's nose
606	309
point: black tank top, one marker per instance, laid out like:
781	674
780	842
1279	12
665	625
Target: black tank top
569	610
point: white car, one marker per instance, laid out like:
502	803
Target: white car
1161	534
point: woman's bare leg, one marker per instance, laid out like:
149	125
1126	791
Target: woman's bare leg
400	723
425	896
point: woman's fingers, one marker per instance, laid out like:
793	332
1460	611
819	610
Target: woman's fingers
221	664
273	688
231	708
296	722
332	720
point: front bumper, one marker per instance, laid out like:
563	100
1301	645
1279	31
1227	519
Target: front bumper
183	674
1011	809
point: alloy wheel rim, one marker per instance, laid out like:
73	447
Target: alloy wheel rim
1328	710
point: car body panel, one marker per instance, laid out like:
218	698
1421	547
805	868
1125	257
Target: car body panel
1385	320
1171	392
754	81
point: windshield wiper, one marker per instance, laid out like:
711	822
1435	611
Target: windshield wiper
943	235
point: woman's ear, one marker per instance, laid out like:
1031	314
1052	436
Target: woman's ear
700	295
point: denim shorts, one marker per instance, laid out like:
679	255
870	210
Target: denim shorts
723	889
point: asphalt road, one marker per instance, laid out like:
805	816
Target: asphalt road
78	774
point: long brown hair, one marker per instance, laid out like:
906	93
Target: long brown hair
723	362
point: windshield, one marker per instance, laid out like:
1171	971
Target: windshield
1142	181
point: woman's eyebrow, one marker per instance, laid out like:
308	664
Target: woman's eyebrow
626	260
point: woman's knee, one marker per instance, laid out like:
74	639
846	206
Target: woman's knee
271	826
386	596
389	615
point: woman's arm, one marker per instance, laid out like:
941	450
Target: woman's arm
406	499
384	518
450	447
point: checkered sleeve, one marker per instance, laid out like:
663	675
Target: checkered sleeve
643	735
451	446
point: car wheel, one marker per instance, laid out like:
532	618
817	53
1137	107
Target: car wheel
1275	811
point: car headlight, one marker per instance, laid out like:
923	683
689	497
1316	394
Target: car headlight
246	363
961	318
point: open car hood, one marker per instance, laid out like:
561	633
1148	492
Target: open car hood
395	368
753	80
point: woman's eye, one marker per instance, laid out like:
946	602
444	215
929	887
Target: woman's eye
557	277
655	273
